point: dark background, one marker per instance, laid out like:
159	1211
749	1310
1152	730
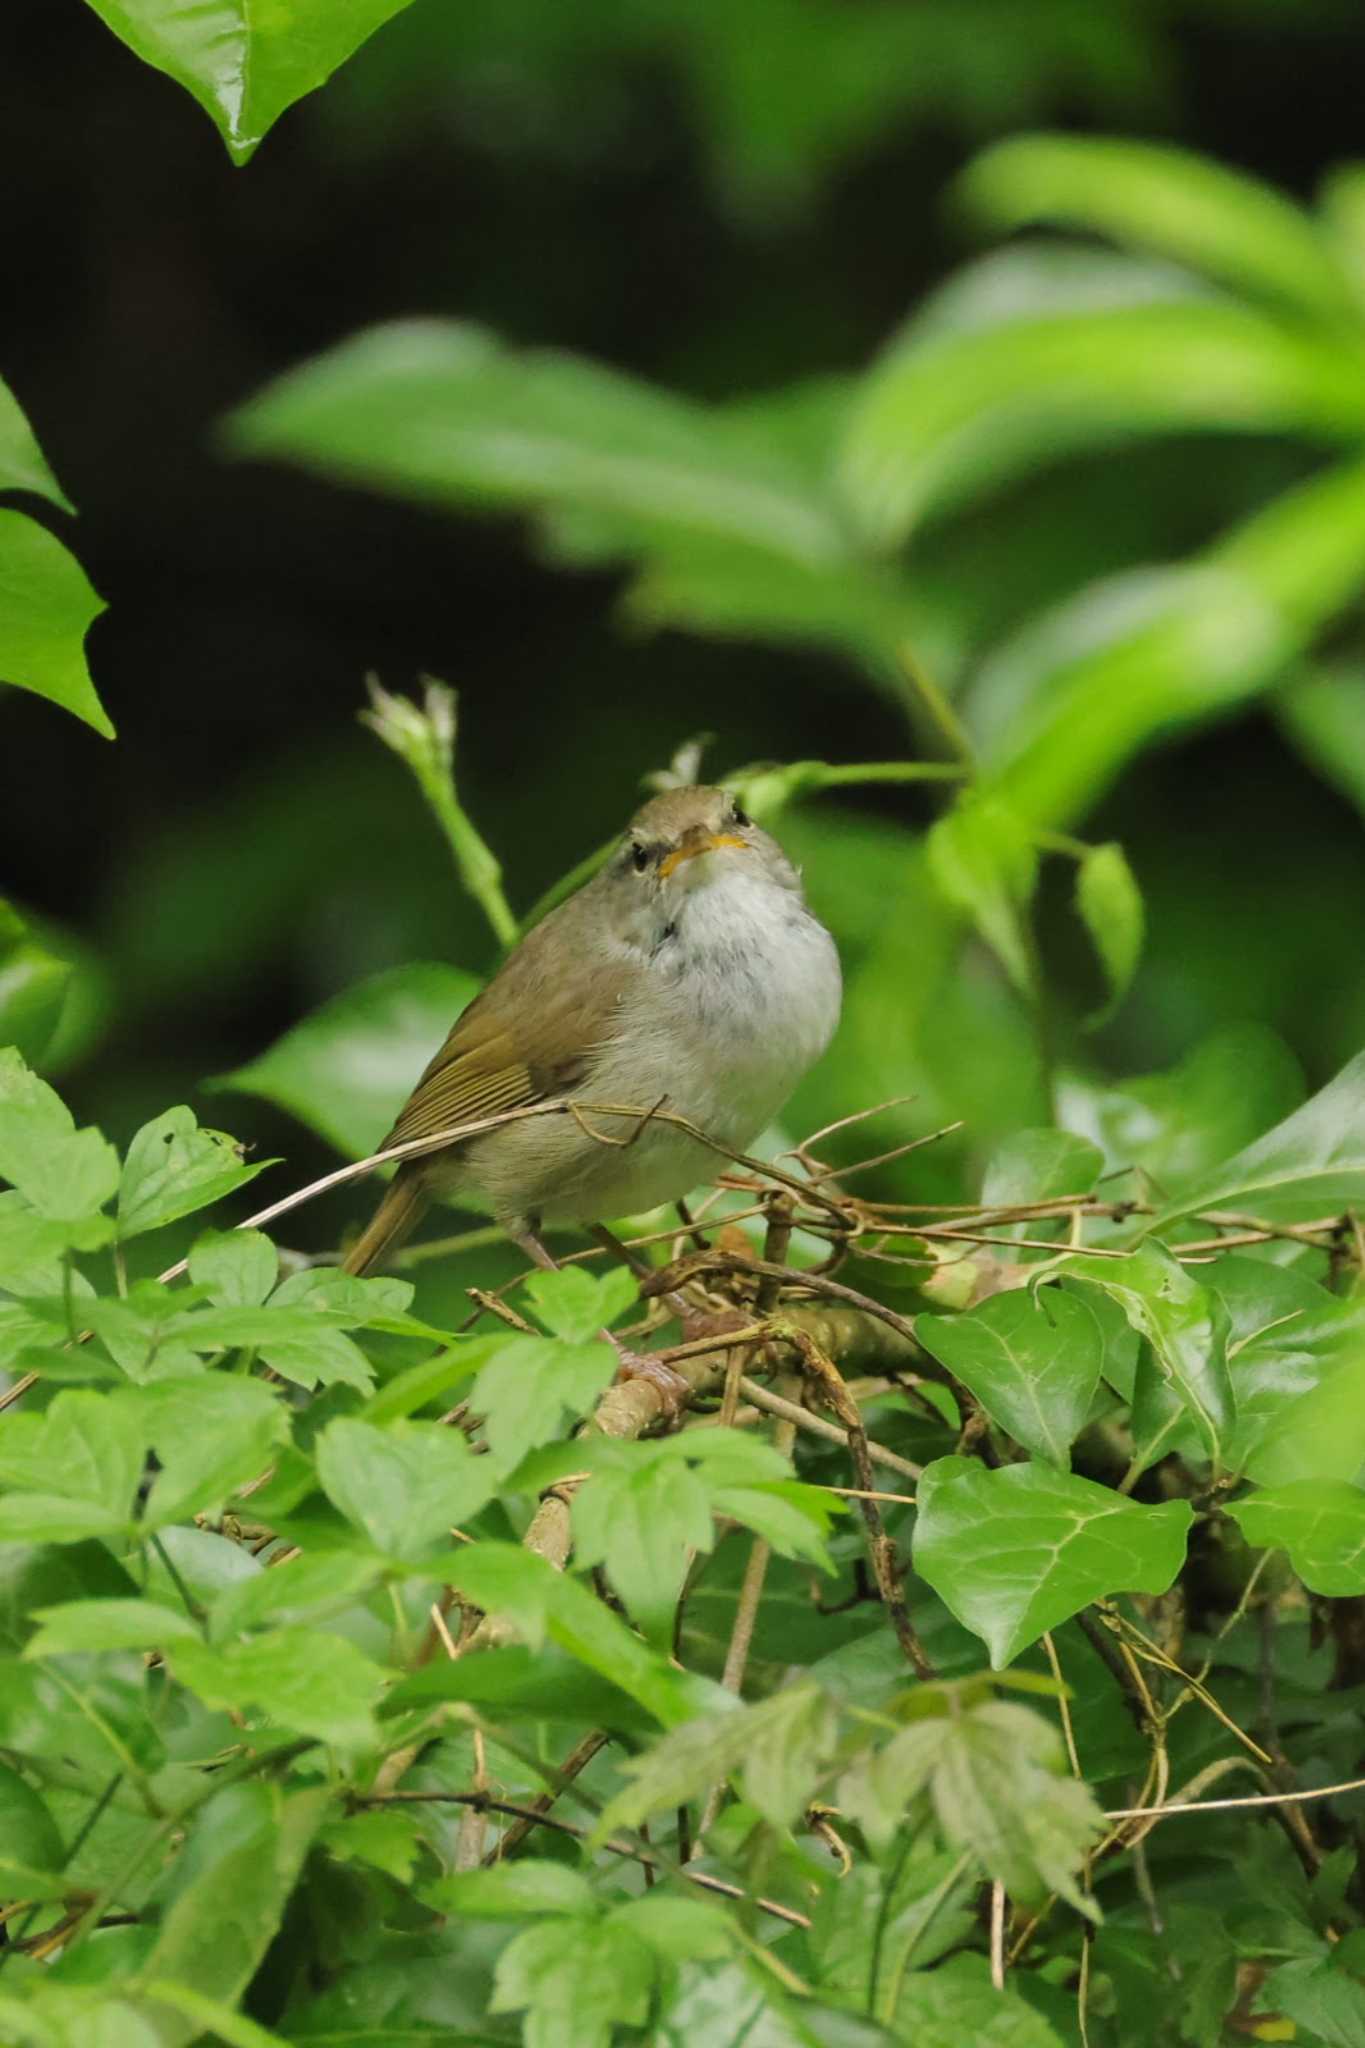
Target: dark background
722	199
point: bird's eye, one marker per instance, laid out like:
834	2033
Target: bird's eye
640	856
738	816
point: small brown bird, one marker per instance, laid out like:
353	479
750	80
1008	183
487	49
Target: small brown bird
688	973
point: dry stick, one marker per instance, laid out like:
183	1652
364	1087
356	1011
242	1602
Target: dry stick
567	1827
577	1760
775	1404
1155	1813
998	1935
881	1550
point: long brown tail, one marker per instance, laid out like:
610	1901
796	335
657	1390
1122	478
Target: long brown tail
395	1219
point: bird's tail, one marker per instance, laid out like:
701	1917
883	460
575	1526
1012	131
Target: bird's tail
395	1219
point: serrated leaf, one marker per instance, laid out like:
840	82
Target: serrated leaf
305	1589
985	864
1032	1360
642	1521
245	65
235	1268
1310	1165
577	1305
1319	1996
80	1625
46	608
1110	905
346	1070
64	1174
995	1774
1321	1523
299	1678
76	1466
957	2003
778	1748
531	1387
576	1979
385	1838
212	1435
1184	1323
1019	1550
512	1891
404	1486
173	1168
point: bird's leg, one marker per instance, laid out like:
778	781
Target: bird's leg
694	1321
673	1390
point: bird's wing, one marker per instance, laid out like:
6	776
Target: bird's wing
527	1038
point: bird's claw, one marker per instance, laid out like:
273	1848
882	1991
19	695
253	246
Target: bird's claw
673	1390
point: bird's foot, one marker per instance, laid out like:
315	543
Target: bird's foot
673	1390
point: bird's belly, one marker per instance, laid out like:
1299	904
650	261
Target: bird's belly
717	1032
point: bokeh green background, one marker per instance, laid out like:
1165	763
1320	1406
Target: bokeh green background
731	202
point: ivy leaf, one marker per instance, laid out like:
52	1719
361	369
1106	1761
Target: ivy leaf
984	862
577	1305
245	65
1312	1164
404	1486
1019	1550
1110	905
46	608
995	1775
314	1684
23	466
1038	1166
1033	1362
347	1069
75	1469
64	1174
1185	1324
173	1168
235	1268
1321	1523
531	1387
778	1748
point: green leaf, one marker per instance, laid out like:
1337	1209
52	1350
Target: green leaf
1312	1164
1185	1324
1178	1125
1032	1360
33	982
305	1589
1235	229
235	1268
65	1174
1319	1996
531	1386
511	1891
46	609
244	64
404	1486
347	1069
577	1305
1081	690
28	1831
1321	1523
984	863
1038	1166
75	1469
173	1168
420	1385
443	412
643	1521
1324	715
1110	905
947	414
212	1434
1291	1350
301	1679
79	1625
504	1579
576	1979
1019	1550
777	1748
996	1776
234	1878
30	1248
209	2015
23	466
957	2003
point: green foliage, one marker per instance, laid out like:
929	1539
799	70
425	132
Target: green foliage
245	65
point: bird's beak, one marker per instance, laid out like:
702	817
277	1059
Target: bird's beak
702	842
